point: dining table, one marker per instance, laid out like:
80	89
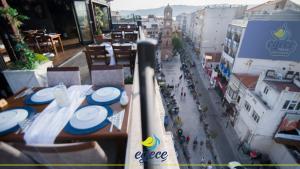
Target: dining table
108	133
55	37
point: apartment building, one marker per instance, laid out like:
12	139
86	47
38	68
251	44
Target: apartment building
207	27
274	5
182	21
251	54
262	42
152	26
262	109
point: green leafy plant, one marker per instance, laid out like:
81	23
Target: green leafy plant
13	16
28	59
99	20
129	80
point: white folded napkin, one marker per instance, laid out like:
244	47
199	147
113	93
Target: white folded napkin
53	118
117	119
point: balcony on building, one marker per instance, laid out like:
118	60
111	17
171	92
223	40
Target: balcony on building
288	135
239	83
281	82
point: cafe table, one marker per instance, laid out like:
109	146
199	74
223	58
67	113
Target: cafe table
53	37
117	136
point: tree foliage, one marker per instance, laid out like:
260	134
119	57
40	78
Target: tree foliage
177	43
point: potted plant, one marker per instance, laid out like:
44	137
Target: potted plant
99	23
31	68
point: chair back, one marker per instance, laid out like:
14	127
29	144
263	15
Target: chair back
130	36
70	153
96	54
67	75
11	155
107	75
116	37
125	56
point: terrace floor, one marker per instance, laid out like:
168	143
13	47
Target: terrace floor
71	48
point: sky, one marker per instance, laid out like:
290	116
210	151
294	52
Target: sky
145	4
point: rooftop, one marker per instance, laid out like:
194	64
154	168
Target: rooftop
249	81
281	85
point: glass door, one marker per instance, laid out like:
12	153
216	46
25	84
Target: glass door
83	21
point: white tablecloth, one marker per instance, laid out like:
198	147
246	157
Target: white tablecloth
46	127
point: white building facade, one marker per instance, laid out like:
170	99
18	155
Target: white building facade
261	112
207	27
250	45
152	26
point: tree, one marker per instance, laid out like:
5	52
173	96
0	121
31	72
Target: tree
177	43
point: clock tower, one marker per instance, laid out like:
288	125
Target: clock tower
166	44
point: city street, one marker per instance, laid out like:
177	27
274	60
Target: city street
226	141
188	113
223	138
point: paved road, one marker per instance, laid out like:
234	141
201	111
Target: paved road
227	141
189	114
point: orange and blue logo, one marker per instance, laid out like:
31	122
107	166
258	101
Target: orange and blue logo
151	143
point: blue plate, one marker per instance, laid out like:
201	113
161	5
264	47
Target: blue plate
71	130
91	101
31	112
30	102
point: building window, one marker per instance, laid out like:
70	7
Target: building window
286	104
298	106
255	116
266	90
247	106
292	105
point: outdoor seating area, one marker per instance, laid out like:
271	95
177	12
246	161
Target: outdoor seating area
120	50
68	98
28	114
42	42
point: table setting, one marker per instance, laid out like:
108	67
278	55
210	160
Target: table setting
65	113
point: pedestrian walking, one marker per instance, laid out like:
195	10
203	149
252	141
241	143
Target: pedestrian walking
181	93
202	162
184	94
209	165
187	139
180	77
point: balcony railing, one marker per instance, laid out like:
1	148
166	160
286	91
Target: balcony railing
147	112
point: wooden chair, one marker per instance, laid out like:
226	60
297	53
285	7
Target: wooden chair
125	56
116	37
11	155
71	153
107	75
45	43
96	55
67	75
130	36
32	42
